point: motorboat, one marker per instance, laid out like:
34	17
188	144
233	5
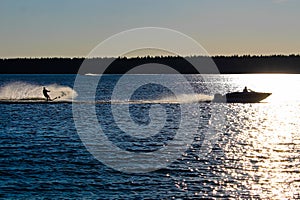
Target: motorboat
241	97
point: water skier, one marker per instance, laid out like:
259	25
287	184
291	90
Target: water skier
45	93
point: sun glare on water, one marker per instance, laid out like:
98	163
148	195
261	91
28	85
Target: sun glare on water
268	140
284	87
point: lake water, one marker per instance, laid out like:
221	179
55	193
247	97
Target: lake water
254	149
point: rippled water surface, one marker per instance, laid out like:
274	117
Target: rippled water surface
255	151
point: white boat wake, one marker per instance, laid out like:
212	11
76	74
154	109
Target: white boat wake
23	91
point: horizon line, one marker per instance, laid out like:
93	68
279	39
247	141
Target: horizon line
155	56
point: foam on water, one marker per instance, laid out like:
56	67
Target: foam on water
188	98
28	91
91	74
181	99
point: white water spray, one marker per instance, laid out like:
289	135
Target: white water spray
29	91
180	99
188	98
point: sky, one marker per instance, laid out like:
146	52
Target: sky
72	28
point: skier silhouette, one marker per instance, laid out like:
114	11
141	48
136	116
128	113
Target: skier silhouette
45	93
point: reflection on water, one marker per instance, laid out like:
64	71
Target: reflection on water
257	154
264	145
261	142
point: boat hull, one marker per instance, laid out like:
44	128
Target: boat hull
241	97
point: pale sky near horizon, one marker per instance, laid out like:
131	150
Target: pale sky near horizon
71	28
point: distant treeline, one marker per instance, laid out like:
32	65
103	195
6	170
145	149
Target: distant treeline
225	64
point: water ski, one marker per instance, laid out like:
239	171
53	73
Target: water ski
58	97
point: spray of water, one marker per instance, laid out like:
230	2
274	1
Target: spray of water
29	91
188	98
179	99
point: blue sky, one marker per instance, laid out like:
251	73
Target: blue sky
68	28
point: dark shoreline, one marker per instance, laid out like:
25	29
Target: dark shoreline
226	64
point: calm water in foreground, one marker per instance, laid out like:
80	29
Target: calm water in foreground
255	152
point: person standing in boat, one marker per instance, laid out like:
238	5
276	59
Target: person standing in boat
45	93
245	89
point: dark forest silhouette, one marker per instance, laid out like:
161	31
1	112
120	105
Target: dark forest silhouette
225	64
